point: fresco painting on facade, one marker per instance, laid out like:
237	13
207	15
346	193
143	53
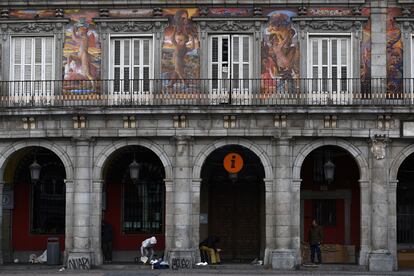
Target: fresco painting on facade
280	51
180	50
31	14
230	12
81	53
394	52
329	12
130	13
366	47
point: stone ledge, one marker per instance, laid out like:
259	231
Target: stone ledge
381	261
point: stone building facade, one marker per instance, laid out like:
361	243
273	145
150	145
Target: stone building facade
96	87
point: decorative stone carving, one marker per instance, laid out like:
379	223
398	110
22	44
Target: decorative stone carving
157	12
104	13
378	146
356	11
302	11
59	13
54	26
331	25
4	13
406	12
131	27
204	11
257	11
229	26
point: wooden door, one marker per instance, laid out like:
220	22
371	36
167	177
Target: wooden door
234	217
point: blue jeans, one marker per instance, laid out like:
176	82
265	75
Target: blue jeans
315	248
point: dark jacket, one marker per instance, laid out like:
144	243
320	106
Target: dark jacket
107	234
210	242
315	235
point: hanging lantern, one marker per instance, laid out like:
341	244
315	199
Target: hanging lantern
329	170
35	169
134	171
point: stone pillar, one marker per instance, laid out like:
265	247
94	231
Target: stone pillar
269	221
295	219
68	219
195	218
365	221
378	44
1	221
392	220
182	253
80	256
96	221
169	217
380	257
283	257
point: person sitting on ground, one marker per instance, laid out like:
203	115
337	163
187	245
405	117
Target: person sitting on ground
147	249
209	246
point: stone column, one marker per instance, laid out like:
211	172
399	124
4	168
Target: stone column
1	221
378	44
295	219
68	219
380	257
195	218
96	221
392	220
365	221
269	221
169	217
182	254
283	257
80	256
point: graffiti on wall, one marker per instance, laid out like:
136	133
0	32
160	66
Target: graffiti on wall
394	52
81	53
180	50
280	51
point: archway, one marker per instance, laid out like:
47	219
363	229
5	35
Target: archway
232	204
333	199
36	208
135	208
405	212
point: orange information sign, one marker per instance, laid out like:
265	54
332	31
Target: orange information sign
233	162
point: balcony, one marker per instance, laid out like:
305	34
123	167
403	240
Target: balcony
207	92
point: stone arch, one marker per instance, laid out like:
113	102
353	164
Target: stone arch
159	151
397	162
55	148
347	146
207	150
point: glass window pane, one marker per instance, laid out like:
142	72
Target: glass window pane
214	49
344	53
126	52
225	49
334	52
324	52
246	49
136	51
236	52
117	54
315	52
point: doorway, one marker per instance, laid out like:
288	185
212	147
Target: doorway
232	205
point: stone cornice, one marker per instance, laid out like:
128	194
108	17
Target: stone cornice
150	3
32	26
130	25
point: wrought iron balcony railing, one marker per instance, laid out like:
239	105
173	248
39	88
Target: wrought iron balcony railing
238	92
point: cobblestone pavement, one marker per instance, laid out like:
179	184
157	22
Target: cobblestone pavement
121	270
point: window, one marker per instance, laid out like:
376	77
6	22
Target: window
131	68
330	63
143	210
230	64
32	66
325	211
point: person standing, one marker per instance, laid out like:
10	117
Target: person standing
107	237
315	240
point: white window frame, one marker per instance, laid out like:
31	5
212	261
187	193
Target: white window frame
329	38
31	89
139	95
240	90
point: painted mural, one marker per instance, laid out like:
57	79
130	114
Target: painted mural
180	50
81	53
31	14
280	51
366	47
394	52
329	12
230	12
130	13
